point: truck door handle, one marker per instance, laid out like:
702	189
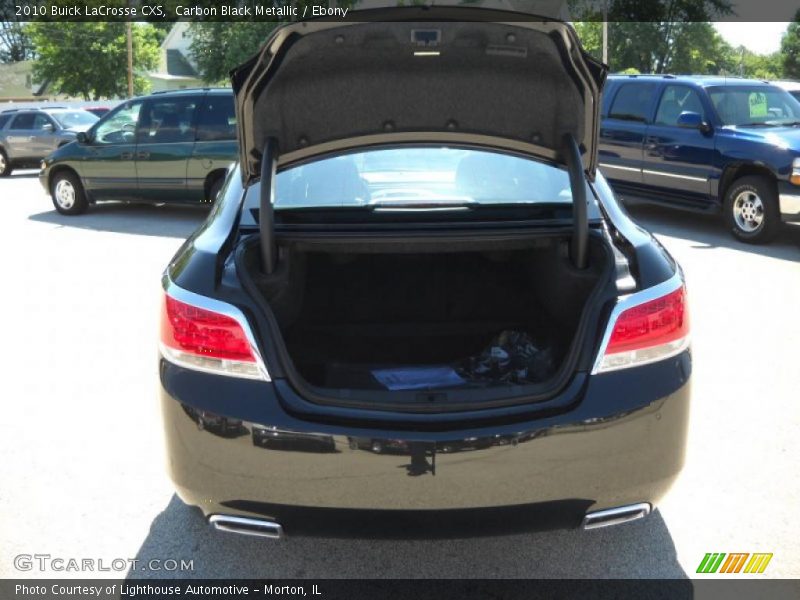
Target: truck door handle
143	156
126	156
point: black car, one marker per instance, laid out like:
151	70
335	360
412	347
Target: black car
404	255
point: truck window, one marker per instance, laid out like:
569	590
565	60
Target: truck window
632	102
675	100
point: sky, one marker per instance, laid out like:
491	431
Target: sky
763	38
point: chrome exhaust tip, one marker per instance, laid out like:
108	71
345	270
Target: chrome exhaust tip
247	526
615	516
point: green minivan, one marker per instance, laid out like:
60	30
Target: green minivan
166	147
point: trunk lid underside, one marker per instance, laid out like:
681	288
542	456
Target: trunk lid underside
319	87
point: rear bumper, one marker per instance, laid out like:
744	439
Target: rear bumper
234	450
789	201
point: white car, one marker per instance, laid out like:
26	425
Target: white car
793	87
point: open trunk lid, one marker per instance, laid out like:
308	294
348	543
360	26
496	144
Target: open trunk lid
419	75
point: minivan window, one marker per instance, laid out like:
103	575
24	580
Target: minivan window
168	120
427	176
118	126
23	121
217	119
675	100
743	105
3	120
633	101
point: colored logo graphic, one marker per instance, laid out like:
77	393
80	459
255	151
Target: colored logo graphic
717	562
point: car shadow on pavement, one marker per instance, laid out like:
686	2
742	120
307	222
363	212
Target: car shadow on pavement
137	219
641	549
710	231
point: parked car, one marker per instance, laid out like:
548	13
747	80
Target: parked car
166	147
27	135
793	87
98	111
496	220
710	144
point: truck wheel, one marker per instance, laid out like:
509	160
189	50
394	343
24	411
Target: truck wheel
5	164
67	193
751	209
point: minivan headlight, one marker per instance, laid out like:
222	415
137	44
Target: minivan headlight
795	177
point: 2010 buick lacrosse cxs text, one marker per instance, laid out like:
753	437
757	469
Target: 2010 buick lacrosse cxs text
417	305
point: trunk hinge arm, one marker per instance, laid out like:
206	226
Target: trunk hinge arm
266	217
577	182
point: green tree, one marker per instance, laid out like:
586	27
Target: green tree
756	66
15	45
695	47
790	49
89	59
651	36
218	47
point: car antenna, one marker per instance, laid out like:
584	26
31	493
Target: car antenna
580	234
266	218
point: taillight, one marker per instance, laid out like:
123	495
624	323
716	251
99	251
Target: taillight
208	340
648	331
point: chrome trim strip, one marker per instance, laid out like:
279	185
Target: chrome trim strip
247	526
411	209
620	168
183	295
629	301
789	206
615	516
674	175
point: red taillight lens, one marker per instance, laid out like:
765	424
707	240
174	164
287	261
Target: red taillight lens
653	330
650	324
203	333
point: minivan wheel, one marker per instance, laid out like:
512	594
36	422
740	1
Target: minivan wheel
751	209
5	164
67	193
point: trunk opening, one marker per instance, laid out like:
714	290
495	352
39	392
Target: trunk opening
391	322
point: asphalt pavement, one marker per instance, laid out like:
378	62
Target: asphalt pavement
82	471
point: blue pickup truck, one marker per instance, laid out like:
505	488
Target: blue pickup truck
708	144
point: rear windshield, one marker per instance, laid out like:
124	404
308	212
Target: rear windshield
421	176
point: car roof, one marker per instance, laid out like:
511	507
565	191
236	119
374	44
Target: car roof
36	109
190	91
698	80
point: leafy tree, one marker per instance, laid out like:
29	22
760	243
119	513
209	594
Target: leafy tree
649	36
696	47
15	45
756	66
89	59
790	49
218	47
